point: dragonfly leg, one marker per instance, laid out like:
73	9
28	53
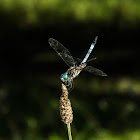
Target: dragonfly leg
71	86
68	84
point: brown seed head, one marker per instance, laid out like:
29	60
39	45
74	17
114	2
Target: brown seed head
65	106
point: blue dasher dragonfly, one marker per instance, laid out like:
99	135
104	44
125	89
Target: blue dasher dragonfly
76	65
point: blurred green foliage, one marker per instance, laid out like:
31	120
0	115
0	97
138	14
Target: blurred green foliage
119	11
104	108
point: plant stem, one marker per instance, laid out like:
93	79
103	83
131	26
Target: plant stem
69	131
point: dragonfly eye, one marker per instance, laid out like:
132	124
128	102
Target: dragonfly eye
64	77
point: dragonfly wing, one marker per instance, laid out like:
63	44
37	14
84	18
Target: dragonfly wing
94	71
78	60
62	51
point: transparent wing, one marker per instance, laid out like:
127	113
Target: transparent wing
94	71
62	51
78	60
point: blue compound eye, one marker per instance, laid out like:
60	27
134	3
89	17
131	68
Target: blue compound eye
65	77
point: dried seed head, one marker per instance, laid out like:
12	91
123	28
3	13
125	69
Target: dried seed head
65	106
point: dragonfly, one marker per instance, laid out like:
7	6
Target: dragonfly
76	65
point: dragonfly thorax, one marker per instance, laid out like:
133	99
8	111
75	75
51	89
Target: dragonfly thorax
72	72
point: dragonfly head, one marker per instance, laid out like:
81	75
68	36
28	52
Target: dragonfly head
64	77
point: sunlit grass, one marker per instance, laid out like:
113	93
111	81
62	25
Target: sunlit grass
107	135
103	134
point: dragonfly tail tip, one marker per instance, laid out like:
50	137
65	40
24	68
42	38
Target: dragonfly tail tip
95	40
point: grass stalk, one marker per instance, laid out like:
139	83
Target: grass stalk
69	131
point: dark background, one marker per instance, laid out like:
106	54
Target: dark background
105	108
